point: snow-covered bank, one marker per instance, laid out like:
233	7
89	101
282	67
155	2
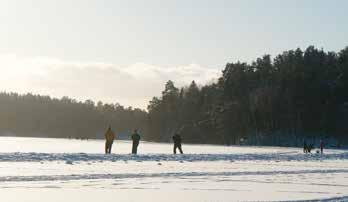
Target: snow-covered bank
72	157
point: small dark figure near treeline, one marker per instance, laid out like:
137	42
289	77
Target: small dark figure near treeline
177	143
321	146
307	148
136	140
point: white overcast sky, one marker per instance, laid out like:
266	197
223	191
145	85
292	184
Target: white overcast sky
124	51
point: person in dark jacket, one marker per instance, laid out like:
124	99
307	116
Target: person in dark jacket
310	147
109	137
177	143
321	146
136	140
305	146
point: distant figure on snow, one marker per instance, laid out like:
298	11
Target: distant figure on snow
305	146
321	146
177	143
136	140
309	148
109	137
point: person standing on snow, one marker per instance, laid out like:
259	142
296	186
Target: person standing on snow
109	137
177	143
321	146
136	140
305	146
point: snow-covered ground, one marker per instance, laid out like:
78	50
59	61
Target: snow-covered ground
42	169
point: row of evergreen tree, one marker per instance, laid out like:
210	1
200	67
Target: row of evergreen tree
280	101
35	115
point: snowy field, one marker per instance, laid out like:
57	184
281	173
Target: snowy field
40	169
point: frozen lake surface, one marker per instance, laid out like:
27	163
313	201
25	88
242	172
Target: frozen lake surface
42	169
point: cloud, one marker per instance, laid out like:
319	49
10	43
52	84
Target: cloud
133	85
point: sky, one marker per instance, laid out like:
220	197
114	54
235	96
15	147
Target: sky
124	51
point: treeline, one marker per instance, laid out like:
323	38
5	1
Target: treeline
297	94
42	116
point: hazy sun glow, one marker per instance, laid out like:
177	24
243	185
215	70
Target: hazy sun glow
132	85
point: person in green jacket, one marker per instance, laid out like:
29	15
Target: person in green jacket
136	140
